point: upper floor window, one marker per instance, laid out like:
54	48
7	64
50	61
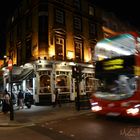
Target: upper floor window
92	29
43	7
60	16
28	3
77	4
59	48
28	49
12	36
28	22
78	23
19	56
78	50
91	11
43	23
19	31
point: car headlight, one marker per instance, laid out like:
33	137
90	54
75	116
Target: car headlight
96	108
133	111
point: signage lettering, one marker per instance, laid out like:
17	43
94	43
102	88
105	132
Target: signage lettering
113	64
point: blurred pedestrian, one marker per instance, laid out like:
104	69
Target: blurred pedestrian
6	102
56	98
20	98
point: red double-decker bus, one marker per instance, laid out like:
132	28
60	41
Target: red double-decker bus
117	70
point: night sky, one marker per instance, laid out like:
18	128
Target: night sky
128	10
6	7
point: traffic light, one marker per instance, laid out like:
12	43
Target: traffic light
77	72
74	71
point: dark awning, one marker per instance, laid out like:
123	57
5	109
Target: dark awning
25	74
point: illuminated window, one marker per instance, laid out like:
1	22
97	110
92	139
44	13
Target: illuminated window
62	82
45	84
59	48
78	50
89	84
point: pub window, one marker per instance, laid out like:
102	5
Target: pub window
62	82
45	84
89	84
78	50
77	23
59	48
60	16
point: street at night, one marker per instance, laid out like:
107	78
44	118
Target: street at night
86	126
63	61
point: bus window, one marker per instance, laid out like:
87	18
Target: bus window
113	88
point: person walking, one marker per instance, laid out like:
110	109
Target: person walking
56	98
6	102
20	98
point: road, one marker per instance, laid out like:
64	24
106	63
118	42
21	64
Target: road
83	127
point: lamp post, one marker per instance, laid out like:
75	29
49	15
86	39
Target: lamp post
10	67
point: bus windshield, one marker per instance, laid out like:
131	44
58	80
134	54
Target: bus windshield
114	67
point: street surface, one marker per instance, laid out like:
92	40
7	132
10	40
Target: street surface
83	127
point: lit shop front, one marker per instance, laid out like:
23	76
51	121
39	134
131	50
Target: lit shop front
51	75
42	77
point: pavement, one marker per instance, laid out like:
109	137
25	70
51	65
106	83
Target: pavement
37	114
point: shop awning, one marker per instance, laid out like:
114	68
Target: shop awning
25	74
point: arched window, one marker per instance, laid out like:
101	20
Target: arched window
89	84
62	82
45	84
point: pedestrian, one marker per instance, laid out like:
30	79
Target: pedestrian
20	98
6	102
56	98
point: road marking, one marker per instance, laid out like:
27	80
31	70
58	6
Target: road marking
72	135
51	128
60	132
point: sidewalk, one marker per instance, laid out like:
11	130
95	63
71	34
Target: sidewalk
37	114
